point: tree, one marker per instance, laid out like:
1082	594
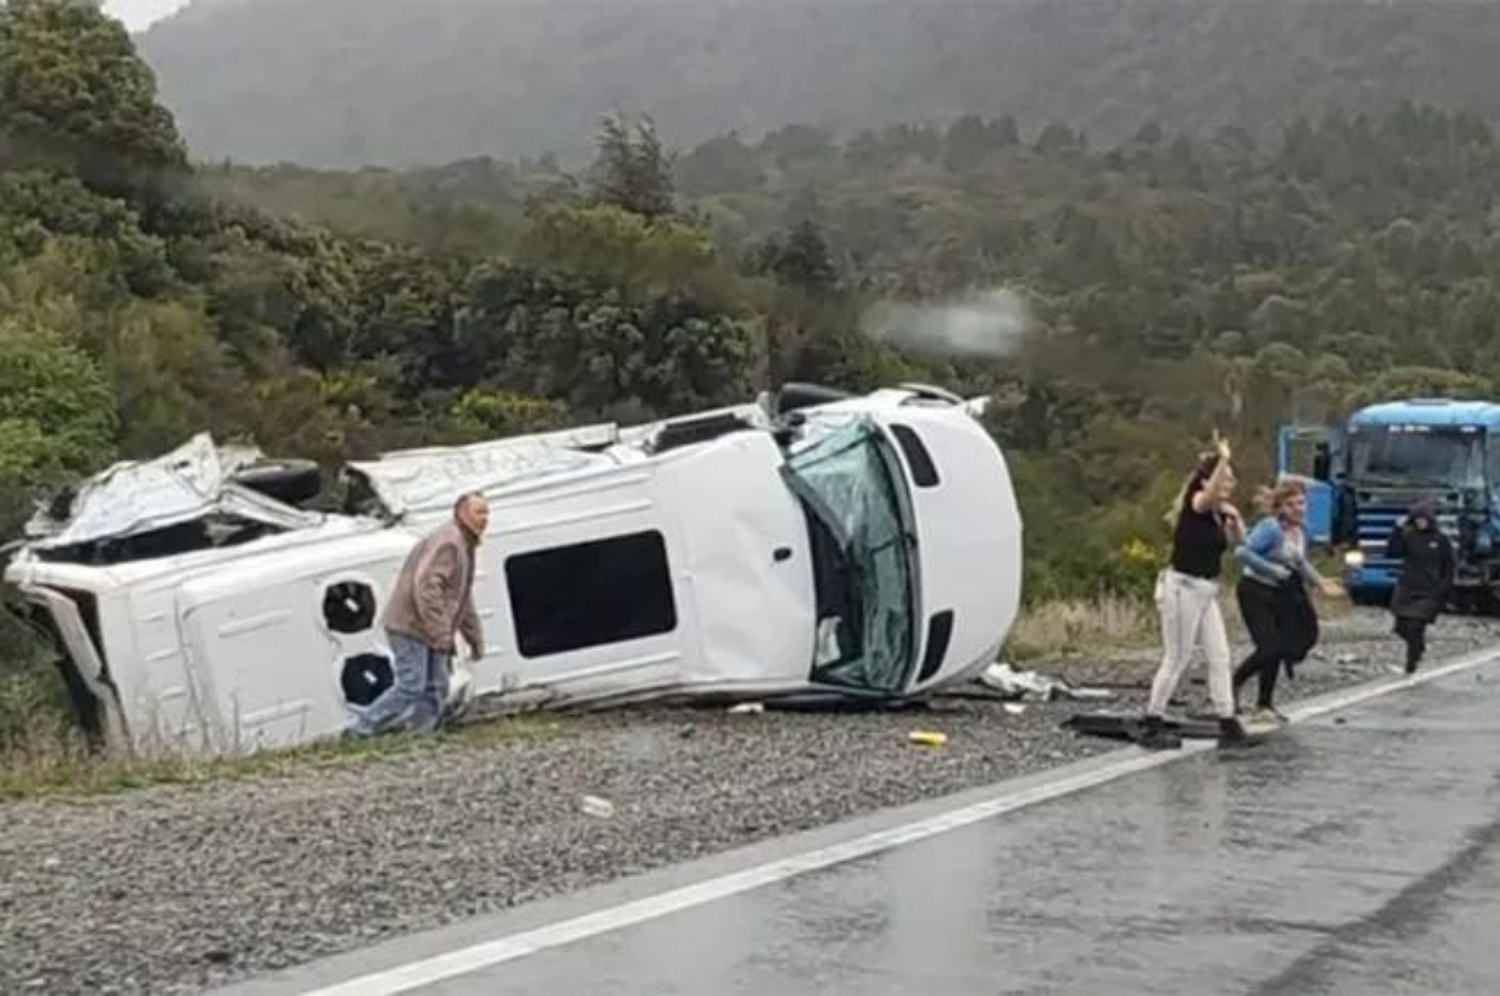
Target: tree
57	415
172	378
801	259
968	142
610	245
971	139
72	89
800	145
543	335
1057	138
720	165
485	414
632	171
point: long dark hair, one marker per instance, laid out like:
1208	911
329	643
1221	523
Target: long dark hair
1208	462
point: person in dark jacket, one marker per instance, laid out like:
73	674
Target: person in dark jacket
1426	577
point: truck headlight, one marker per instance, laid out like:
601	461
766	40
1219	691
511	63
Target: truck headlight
1354	558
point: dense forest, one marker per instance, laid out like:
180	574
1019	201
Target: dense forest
421	82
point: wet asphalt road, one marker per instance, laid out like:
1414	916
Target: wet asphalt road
1357	853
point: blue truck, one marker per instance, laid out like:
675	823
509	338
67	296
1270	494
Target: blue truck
1365	475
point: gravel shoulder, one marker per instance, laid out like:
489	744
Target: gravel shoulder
174	889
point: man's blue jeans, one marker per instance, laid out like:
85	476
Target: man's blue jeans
414	702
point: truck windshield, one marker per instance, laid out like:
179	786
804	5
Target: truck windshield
1417	459
863	550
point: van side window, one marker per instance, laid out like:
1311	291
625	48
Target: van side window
923	470
591	594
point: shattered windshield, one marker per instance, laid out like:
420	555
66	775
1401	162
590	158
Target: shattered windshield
1418	459
862	551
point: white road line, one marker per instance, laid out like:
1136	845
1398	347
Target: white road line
464	961
1334	701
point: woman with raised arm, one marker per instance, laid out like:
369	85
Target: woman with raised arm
1273	593
1204	526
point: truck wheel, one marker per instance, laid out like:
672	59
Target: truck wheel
1477	602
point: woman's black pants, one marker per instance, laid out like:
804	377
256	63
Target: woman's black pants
1258	607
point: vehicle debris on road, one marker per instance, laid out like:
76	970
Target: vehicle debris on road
596	806
1014	685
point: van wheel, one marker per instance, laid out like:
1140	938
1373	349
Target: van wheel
929	392
292	482
794	395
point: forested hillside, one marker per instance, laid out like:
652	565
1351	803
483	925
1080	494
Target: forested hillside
404	82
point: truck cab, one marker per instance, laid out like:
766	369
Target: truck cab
1386	457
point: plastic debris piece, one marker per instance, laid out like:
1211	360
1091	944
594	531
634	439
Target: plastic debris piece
1013	684
747	709
595	806
927	738
1014	708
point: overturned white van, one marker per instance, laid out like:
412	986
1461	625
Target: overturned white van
809	543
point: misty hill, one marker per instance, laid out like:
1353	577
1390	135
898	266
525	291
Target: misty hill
403	82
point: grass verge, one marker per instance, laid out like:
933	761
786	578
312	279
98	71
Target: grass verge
1067	628
49	758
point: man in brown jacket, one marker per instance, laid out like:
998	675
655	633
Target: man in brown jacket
431	603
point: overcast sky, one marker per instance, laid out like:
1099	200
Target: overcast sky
138	14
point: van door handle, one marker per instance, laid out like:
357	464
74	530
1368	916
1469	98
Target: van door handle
783	553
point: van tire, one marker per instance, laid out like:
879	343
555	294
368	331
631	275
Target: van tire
795	395
292	482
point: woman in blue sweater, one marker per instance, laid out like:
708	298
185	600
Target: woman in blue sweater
1273	593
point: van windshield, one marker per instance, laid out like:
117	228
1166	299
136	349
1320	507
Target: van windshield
863	547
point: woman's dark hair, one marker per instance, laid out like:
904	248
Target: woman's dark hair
1208	462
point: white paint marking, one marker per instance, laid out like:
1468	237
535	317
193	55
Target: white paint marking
1333	702
464	961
